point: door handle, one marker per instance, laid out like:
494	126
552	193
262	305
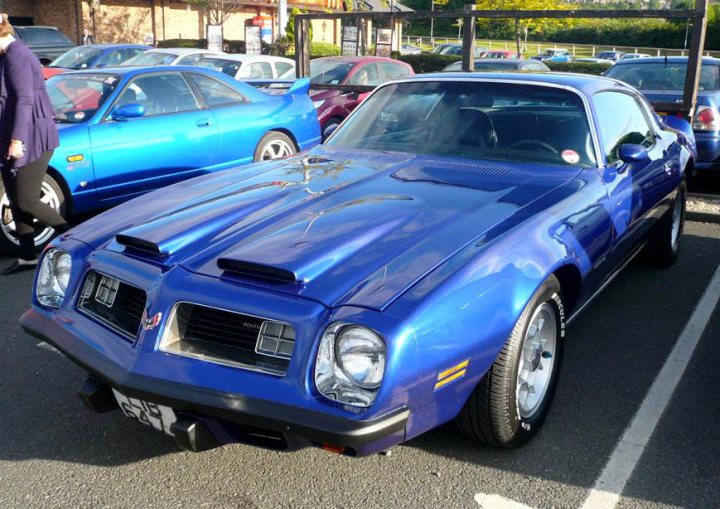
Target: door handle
203	123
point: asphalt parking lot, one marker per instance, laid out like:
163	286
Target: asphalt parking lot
55	453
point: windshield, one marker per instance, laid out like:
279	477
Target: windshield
76	97
658	76
472	120
77	58
152	58
229	67
329	72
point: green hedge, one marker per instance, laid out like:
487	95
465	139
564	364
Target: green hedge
579	67
317	49
429	62
230	46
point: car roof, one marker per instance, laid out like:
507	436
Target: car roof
584	83
250	58
182	51
670	60
110	45
357	59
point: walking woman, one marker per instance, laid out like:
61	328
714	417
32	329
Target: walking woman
28	136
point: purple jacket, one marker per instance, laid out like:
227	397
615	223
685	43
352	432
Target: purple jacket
26	113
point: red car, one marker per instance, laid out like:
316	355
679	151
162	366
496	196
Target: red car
502	53
334	105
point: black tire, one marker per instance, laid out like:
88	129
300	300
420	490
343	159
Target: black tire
664	242
492	413
8	241
274	138
332	121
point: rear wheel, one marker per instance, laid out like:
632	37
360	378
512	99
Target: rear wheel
664	243
50	193
274	145
510	403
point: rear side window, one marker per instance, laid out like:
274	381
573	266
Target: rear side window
394	71
260	70
366	75
621	121
42	36
282	67
214	92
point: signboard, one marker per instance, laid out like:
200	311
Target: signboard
383	42
215	37
252	40
350	41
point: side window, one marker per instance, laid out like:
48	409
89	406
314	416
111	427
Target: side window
283	67
190	59
160	94
366	75
394	71
261	70
111	58
214	92
621	120
42	36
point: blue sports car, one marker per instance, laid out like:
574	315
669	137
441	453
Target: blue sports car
419	267
124	132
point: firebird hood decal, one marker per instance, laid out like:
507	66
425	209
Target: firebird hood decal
352	229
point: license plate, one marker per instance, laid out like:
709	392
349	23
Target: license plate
151	414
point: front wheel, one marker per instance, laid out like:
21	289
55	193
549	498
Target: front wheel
274	145
664	243
50	193
510	403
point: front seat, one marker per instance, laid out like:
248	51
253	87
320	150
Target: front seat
476	128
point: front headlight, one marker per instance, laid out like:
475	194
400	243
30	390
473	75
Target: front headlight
53	278
350	364
317	104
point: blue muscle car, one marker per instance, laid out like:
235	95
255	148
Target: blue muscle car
124	132
419	267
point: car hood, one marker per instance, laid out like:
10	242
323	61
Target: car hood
333	226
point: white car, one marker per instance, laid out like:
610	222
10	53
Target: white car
249	66
170	56
630	56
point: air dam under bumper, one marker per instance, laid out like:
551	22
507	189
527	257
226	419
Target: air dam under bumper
210	409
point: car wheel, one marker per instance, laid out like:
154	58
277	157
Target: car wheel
664	243
51	193
330	126
274	145
510	403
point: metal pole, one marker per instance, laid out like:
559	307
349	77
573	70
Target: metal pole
432	22
697	43
468	54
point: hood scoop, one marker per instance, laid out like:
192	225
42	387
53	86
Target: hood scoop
257	271
139	244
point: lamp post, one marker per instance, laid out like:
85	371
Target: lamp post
432	22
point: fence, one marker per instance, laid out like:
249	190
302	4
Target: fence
533	48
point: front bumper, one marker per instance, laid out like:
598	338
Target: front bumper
300	427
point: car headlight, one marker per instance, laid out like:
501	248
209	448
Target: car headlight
317	104
53	278
350	364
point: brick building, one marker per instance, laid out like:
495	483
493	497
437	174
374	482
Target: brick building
135	21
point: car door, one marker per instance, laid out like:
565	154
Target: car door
174	140
634	189
241	123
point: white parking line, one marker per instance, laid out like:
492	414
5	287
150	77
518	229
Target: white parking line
498	502
609	486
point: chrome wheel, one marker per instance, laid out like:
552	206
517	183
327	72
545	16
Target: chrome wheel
276	148
49	196
537	360
676	220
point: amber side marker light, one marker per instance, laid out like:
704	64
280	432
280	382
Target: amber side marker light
75	158
333	448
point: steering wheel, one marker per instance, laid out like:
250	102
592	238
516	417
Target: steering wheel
534	143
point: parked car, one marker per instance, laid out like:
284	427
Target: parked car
593	60
662	80
249	66
610	55
127	131
554	55
456	49
170	56
419	267
47	43
409	49
501	64
632	56
502	53
92	56
335	104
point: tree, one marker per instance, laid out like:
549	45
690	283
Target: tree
522	26
216	12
